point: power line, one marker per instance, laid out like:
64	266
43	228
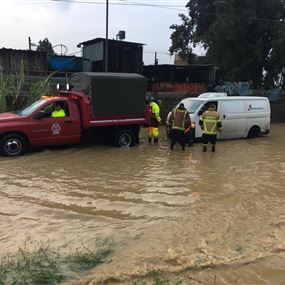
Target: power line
164	4
148	51
126	3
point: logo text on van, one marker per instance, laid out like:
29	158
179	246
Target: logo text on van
254	108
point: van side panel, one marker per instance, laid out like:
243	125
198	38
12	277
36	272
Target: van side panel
258	114
233	118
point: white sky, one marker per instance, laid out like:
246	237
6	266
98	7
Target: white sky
70	23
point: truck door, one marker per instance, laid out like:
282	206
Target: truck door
233	119
47	130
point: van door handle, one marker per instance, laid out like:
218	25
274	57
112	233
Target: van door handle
224	116
68	122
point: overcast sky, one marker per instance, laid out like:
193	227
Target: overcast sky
71	22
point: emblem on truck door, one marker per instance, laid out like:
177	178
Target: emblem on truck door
55	129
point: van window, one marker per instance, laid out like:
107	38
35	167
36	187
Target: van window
192	105
206	106
233	107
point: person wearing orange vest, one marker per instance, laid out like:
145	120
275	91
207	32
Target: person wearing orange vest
179	121
153	120
210	123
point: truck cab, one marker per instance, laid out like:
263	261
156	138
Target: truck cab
34	126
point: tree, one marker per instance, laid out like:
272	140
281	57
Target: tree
245	38
45	45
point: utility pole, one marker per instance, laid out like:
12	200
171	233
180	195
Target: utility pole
30	44
155	58
106	40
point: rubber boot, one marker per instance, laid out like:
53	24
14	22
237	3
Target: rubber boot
149	139
213	148
155	140
204	148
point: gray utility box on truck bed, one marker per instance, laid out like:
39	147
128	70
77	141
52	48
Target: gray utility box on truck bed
112	93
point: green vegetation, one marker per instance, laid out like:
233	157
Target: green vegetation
46	46
4	83
39	264
245	38
16	90
41	87
82	260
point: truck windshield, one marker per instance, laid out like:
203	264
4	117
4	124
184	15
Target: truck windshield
192	105
26	111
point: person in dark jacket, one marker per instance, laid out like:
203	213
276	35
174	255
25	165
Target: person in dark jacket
179	121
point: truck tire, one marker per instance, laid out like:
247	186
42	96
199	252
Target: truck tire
124	138
254	132
13	145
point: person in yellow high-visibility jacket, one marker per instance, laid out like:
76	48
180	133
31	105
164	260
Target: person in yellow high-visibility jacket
210	123
153	122
58	112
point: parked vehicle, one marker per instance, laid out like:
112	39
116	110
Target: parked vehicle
107	103
242	116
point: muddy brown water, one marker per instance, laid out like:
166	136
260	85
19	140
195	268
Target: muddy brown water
189	214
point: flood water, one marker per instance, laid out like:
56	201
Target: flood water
190	214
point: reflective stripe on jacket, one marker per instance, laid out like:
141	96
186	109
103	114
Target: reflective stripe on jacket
179	119
210	120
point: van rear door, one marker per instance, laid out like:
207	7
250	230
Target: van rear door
233	119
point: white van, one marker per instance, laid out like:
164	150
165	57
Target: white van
242	116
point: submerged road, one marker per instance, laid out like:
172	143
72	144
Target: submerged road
183	213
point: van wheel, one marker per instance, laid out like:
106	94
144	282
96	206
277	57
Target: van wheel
254	132
124	138
13	145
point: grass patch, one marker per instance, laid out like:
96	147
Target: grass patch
85	259
16	90
38	264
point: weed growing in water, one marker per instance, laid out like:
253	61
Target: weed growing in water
85	260
39	264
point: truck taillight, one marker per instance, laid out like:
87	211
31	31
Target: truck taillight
74	97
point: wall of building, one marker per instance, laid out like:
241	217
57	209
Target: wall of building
34	62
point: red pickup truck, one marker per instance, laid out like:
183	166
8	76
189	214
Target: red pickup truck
109	103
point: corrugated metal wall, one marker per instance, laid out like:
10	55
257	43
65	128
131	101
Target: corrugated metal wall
122	56
35	62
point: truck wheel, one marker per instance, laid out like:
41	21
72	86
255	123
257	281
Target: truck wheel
13	145
124	138
254	132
